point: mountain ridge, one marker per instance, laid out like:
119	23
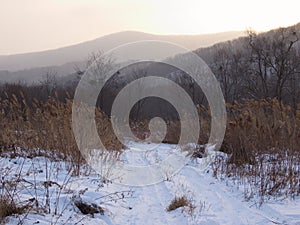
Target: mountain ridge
80	51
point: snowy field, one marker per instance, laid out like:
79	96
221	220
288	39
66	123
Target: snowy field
53	191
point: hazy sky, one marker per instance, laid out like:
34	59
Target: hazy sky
31	25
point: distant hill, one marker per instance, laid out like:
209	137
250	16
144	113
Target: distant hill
80	52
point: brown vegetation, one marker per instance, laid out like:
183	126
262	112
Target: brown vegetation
179	202
263	143
8	208
45	126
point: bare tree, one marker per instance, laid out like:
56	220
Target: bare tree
136	75
230	66
274	60
49	82
97	68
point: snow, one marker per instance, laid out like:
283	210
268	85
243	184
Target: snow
217	201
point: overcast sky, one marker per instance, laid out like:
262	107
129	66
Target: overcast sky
33	25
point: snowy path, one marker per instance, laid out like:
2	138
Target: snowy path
216	203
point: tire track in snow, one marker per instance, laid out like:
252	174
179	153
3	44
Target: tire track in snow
149	206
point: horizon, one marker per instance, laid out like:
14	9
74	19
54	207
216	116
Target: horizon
31	26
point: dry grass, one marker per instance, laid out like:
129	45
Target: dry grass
263	143
10	203
179	202
264	126
46	126
8	208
